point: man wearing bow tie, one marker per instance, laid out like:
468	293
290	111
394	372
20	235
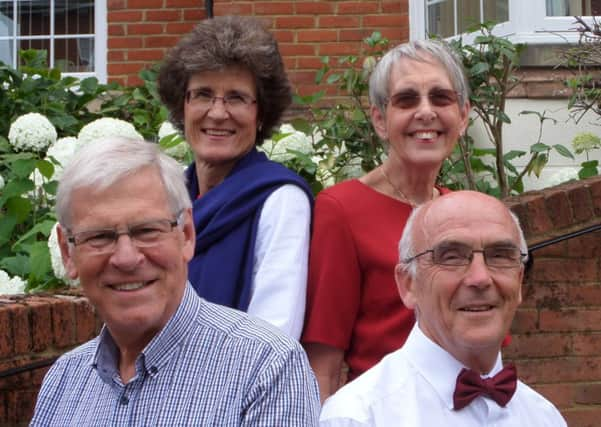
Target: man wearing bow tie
461	268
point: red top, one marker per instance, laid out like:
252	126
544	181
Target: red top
352	301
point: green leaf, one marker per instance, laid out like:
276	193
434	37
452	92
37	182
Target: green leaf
16	187
539	148
45	167
539	163
564	151
19	208
39	256
17	265
24	167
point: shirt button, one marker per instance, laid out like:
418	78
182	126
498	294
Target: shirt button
154	370
124	400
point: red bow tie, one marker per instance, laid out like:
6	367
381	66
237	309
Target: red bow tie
470	385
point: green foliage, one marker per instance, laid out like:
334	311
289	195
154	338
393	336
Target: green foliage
490	63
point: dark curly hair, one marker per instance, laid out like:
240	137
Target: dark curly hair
219	43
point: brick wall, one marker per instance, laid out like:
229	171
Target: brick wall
556	333
140	31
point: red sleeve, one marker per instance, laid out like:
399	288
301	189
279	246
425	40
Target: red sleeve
333	290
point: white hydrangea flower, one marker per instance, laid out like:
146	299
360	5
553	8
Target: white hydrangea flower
1	182
107	127
62	151
31	132
179	150
56	259
295	140
11	286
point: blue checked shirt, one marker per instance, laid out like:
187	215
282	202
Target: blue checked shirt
209	366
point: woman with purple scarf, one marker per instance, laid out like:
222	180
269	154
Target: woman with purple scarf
226	89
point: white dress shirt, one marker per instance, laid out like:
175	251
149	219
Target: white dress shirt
279	288
414	387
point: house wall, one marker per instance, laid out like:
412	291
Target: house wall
556	334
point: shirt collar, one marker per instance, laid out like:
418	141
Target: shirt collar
159	350
436	365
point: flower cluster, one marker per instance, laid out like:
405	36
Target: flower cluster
31	132
11	286
172	141
286	142
107	127
1	182
585	142
56	259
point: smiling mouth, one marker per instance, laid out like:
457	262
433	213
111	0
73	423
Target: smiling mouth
131	286
218	132
431	134
477	309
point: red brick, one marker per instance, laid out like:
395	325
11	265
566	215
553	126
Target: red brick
86	321
116	30
3	409
594	185
539	345
124	16
337	49
153	55
294	49
284	36
194	15
116	4
581	203
308	36
125	68
584	295
25	404
561	395
587	343
559	370
555	250
357	8
538	218
163	15
124	43
313	8
176	4
6	340
339	21
41	325
63	323
585	246
233	9
21	329
139	29
558	206
395	35
385	21
524	321
144	4
309	62
355	34
570	320
273	8
582	416
116	55
569	270
294	22
161	41
395	7
178	28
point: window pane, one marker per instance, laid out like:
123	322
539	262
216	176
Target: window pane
40	44
74	55
469	15
6	30
441	18
74	17
497	11
34	17
573	7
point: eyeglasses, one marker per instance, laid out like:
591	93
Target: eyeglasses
233	102
455	254
408	99
142	235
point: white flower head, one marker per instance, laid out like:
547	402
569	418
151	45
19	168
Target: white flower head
56	259
180	149
11	286
31	132
277	150
62	151
107	127
586	141
1	182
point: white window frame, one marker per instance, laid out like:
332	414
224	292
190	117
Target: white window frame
99	36
527	23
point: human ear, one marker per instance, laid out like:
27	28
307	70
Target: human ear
66	254
189	240
378	119
464	113
405	286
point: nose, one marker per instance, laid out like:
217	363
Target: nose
126	256
424	110
478	274
217	109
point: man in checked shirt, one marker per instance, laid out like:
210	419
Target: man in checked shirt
165	356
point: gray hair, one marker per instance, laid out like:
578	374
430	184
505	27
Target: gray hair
407	242
102	163
421	51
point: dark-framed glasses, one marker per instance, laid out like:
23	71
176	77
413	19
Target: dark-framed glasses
410	98
234	102
454	254
143	235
